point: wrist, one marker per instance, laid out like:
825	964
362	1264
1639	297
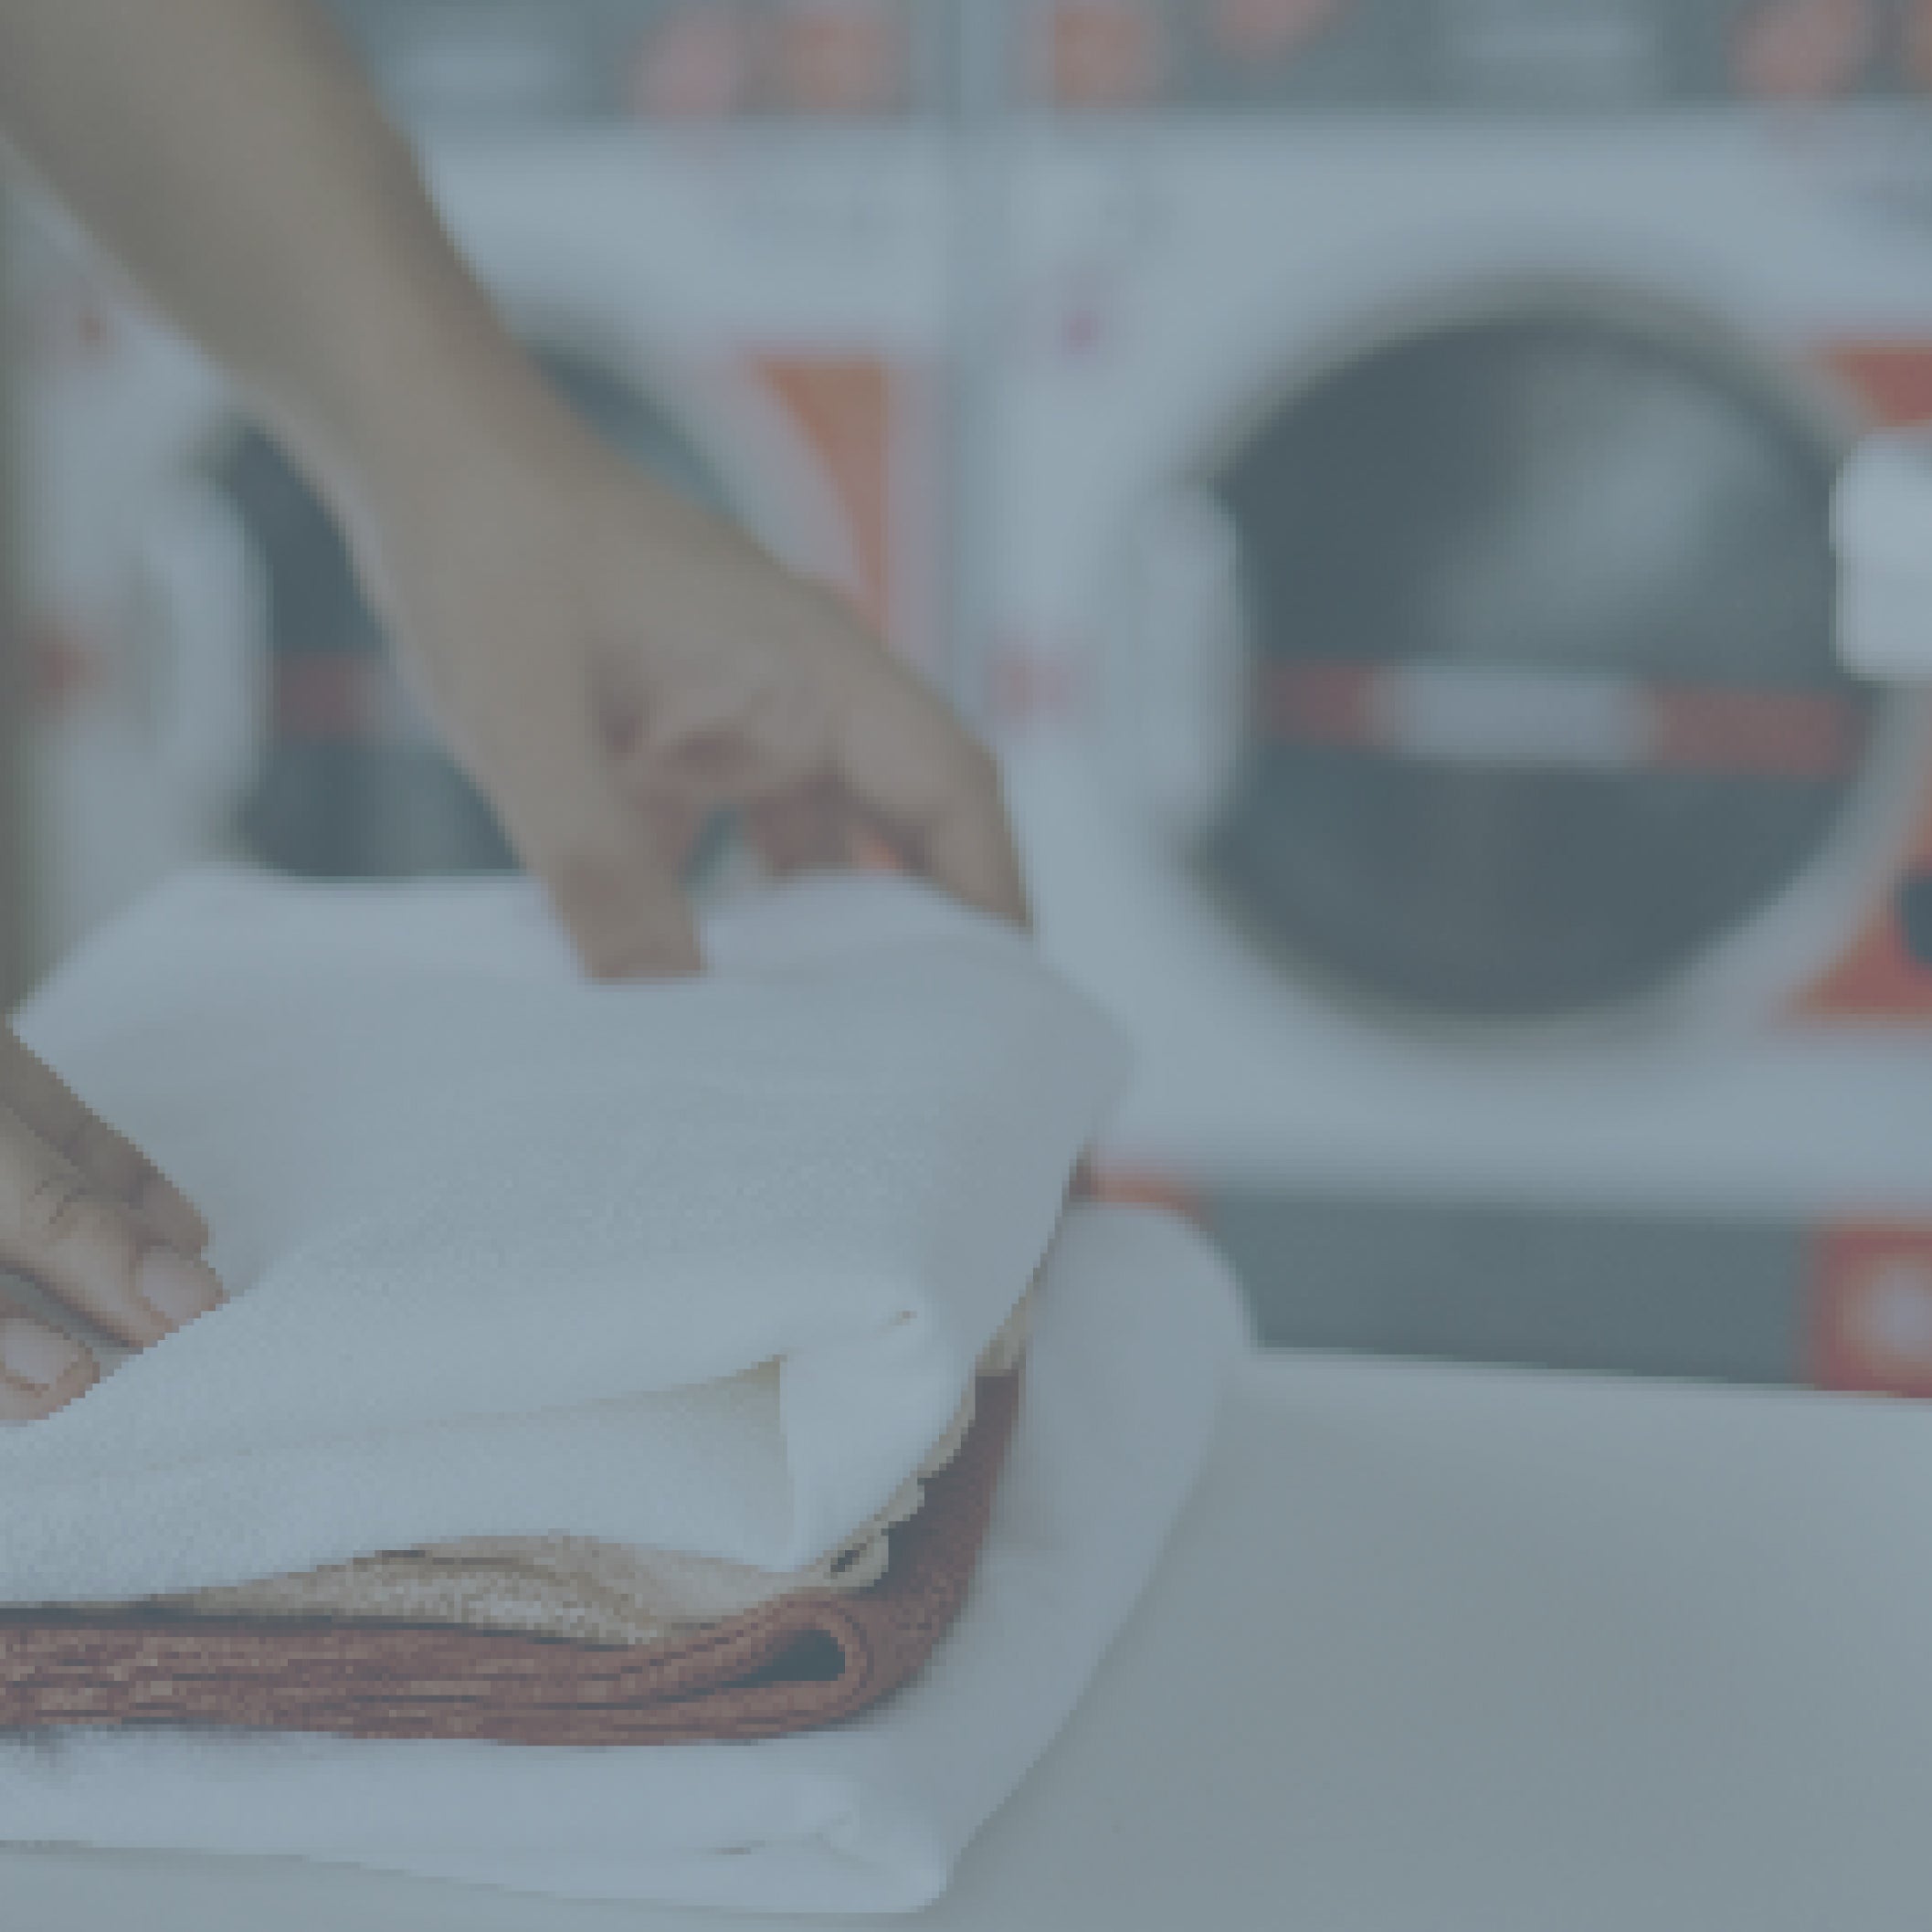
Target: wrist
437	403
381	406
389	364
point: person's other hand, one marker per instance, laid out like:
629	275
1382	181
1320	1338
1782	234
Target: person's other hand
611	665
90	1222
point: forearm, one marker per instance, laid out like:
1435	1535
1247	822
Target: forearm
230	154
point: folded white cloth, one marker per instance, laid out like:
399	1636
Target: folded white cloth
585	1591
1137	1328
702	1266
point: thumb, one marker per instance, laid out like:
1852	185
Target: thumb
88	1249
610	880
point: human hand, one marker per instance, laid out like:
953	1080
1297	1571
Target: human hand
612	665
88	1219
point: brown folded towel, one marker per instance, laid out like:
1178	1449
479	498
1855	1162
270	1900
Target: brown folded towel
800	1663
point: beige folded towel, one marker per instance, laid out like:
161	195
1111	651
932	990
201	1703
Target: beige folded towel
803	1662
578	1588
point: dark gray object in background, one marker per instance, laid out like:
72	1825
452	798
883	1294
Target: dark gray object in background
1726	1301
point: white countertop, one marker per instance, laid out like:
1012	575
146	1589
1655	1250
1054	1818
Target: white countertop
1436	1650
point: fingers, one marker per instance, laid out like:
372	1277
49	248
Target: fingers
621	902
802	830
40	1369
864	746
612	876
89	1248
969	847
905	757
41	1099
89	1218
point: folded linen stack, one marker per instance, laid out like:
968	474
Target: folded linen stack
620	1314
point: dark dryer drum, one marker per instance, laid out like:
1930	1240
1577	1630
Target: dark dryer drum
1538	609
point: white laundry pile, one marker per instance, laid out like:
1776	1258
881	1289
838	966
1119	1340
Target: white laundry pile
582	1589
1137	1327
701	1268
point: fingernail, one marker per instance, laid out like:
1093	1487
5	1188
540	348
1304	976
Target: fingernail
172	1214
37	1357
174	1287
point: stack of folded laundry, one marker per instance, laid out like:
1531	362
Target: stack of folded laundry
664	1442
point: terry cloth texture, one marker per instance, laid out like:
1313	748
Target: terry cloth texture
573	1588
804	1661
705	1265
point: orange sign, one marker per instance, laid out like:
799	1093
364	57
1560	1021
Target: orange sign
1918	42
1873	1329
1105	53
842	57
694	66
1269	29
1804	50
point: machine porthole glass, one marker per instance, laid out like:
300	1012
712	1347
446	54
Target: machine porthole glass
1541	703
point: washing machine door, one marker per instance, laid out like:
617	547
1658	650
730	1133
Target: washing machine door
1540	704
349	782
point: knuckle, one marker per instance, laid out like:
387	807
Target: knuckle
71	1136
58	1208
40	1367
98	1150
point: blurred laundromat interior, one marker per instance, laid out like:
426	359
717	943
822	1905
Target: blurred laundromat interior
1365	463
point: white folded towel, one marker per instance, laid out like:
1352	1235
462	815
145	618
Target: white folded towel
702	1266
587	1592
1136	1328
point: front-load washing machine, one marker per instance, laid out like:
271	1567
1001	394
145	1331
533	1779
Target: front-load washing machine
1412	656
751	301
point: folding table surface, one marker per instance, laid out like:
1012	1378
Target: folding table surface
1435	1650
